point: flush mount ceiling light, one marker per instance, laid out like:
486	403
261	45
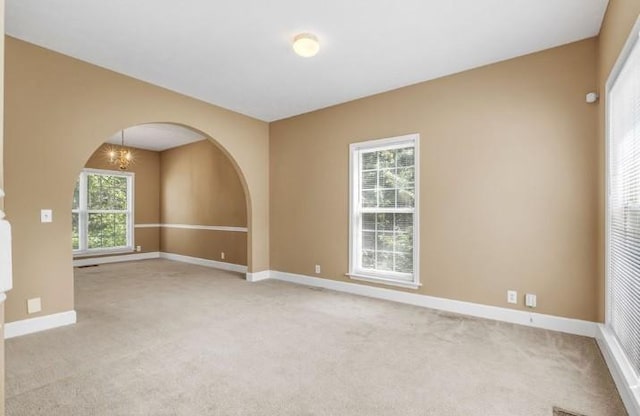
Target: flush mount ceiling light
306	45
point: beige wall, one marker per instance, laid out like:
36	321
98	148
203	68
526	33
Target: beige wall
508	185
199	186
619	20
58	110
146	167
205	244
194	184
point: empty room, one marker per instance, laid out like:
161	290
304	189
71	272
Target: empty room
409	207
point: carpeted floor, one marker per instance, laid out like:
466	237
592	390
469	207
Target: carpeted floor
162	338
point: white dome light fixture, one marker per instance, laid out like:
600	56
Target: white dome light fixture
306	45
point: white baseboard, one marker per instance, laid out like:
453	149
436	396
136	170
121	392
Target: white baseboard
41	323
537	320
161	255
204	262
258	276
621	370
115	259
155	255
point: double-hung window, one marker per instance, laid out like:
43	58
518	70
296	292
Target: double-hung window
102	212
384	211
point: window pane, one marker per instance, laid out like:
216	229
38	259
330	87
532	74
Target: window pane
75	231
405	177
369	179
369	222
368	240
384	262
370	160
368	259
369	199
387	159
404	263
388	199
406	198
107	230
76	196
387	242
385	222
384	241
404	223
107	192
403	243
405	157
387	178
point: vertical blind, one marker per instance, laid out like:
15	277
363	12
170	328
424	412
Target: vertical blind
623	277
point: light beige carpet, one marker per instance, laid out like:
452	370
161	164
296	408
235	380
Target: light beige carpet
163	338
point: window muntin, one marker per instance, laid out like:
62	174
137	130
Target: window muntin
384	210
102	212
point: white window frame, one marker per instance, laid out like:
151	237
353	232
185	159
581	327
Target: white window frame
356	272
83	214
629	379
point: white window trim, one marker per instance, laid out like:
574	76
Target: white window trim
386	278
631	379
83	250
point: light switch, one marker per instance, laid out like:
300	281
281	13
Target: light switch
46	215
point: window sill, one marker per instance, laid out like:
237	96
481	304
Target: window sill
383	281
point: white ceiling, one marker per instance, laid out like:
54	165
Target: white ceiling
237	54
157	136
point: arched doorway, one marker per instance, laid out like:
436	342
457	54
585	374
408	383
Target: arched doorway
58	111
175	194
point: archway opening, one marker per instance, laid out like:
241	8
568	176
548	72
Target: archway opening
181	197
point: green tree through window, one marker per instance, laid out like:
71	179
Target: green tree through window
384	210
101	214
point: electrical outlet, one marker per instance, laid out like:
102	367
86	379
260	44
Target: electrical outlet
46	215
530	300
222	255
138	248
317	269
512	296
34	305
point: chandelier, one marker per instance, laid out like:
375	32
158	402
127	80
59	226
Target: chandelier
121	156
